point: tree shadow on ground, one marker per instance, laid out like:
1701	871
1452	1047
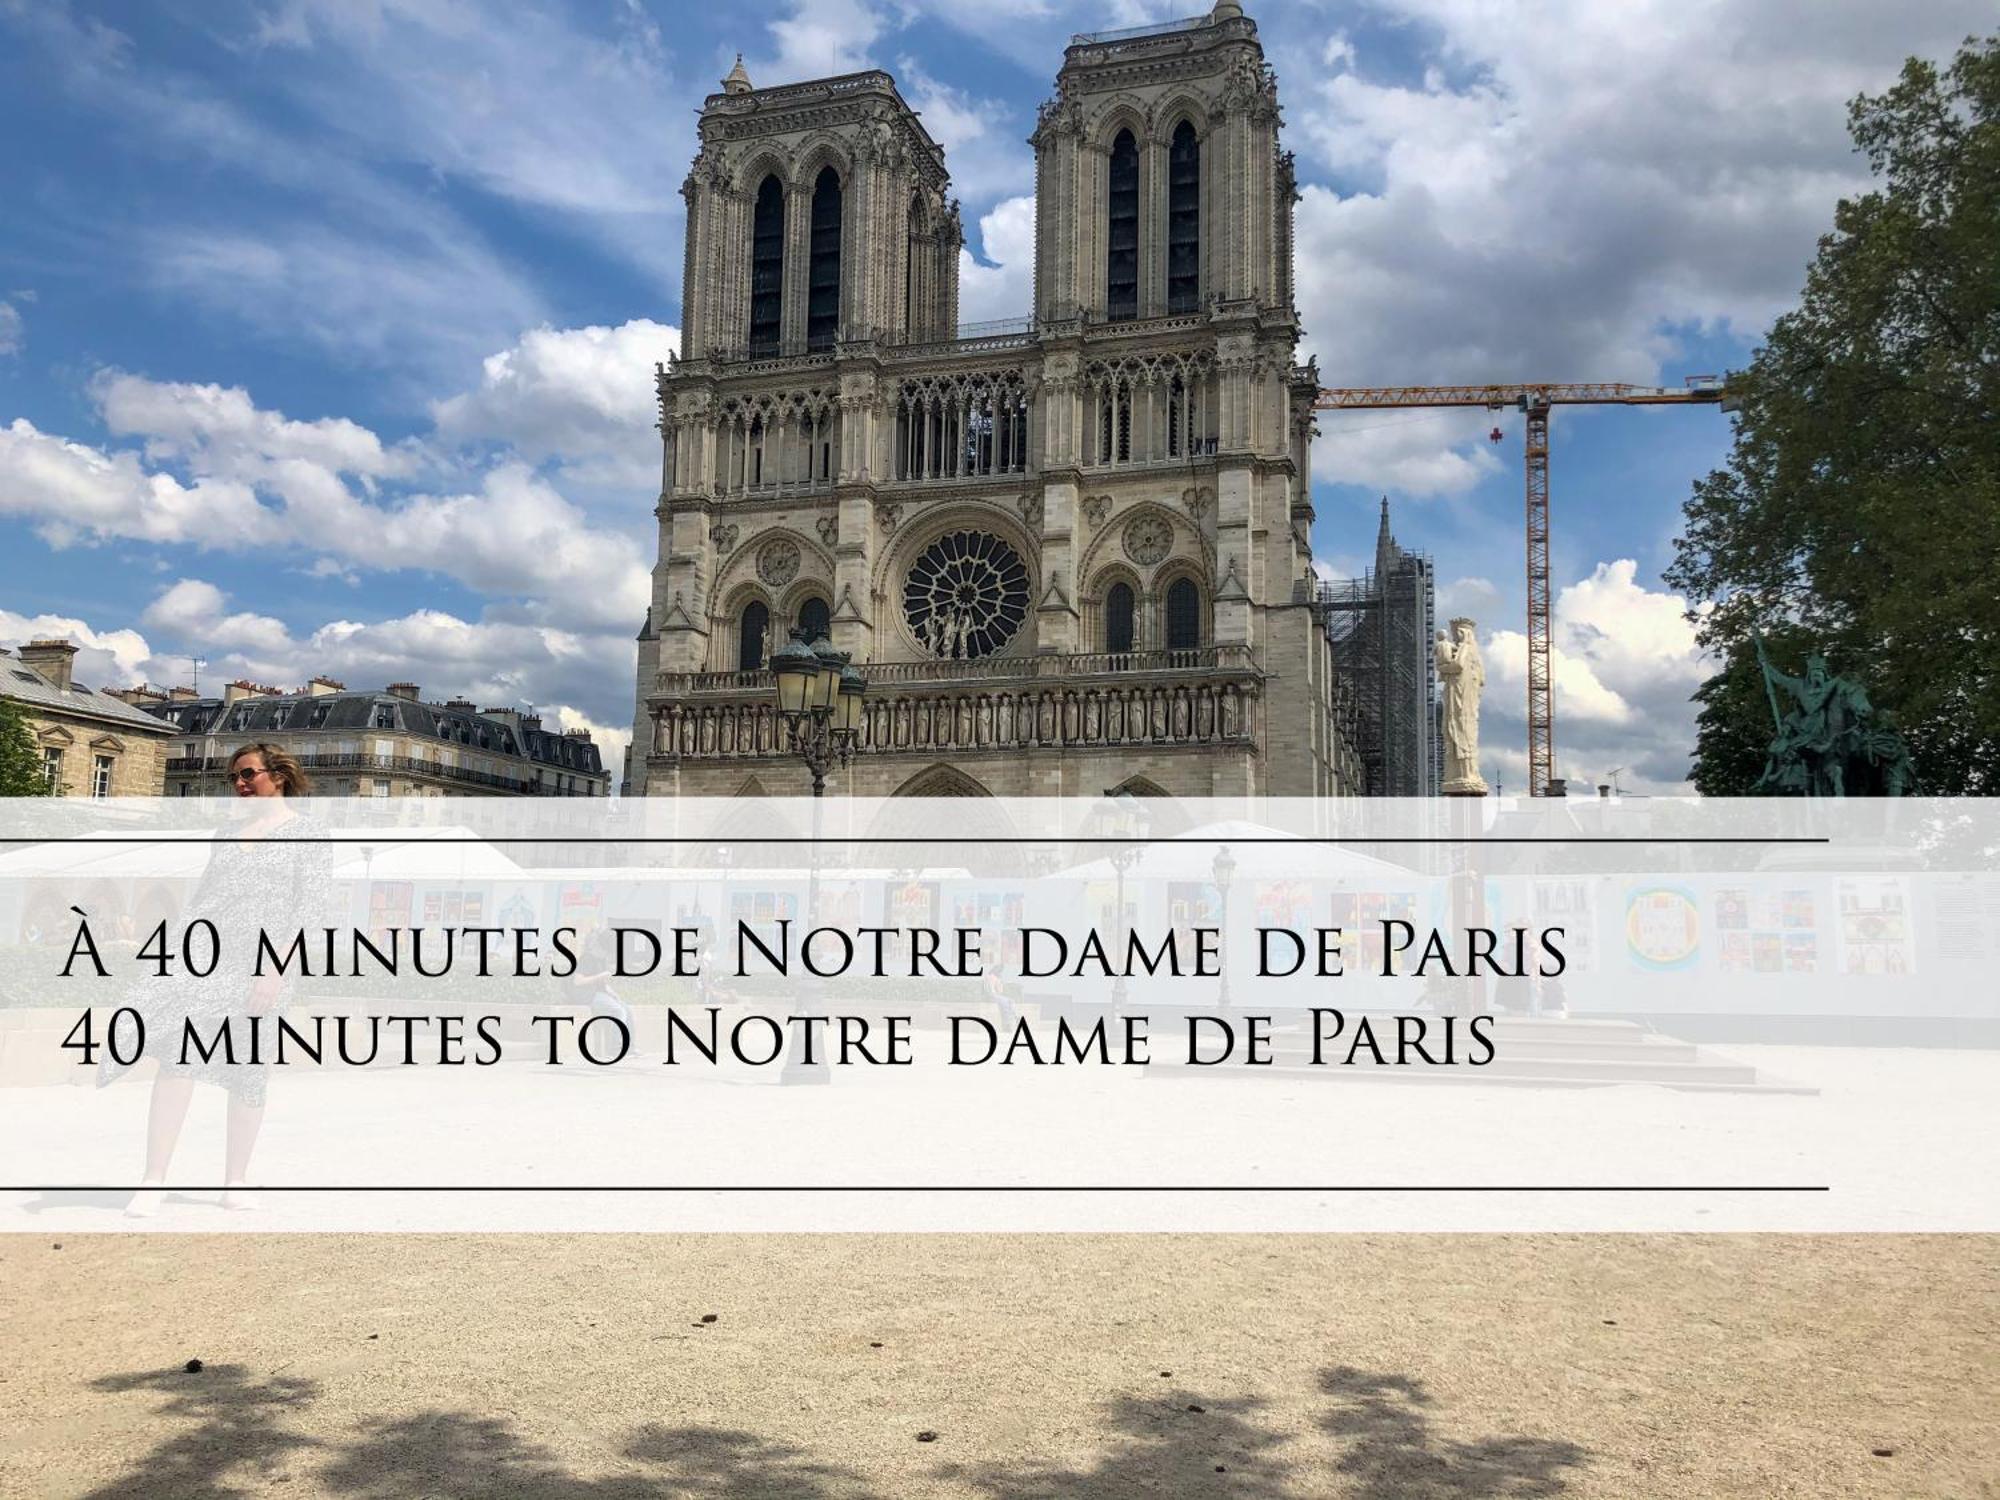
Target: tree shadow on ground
443	1455
1177	1443
237	1444
1395	1453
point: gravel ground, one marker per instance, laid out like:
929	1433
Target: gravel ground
824	1367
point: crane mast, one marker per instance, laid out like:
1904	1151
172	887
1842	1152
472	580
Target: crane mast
1534	402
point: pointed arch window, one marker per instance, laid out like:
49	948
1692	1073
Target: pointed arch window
1184	221
1121	257
1183	615
823	278
919	238
1118	618
767	264
750	635
815	619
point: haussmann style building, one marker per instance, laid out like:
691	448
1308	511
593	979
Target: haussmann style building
371	744
1071	551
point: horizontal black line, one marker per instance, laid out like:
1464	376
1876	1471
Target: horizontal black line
926	1187
390	838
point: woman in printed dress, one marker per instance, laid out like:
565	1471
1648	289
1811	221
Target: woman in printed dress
247	885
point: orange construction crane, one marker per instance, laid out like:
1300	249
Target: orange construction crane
1534	402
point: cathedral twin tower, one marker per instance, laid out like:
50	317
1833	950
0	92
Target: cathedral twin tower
1071	551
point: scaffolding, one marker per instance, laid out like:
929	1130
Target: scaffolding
1382	626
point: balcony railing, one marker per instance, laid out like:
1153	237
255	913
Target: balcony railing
1069	665
1192	698
406	764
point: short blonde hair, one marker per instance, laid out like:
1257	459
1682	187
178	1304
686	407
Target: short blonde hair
281	763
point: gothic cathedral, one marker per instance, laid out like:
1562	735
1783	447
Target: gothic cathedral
1070	551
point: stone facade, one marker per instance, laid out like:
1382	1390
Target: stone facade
1069	552
92	745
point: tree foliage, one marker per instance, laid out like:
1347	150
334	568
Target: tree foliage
1860	505
21	772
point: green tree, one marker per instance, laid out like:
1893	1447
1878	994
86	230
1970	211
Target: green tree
20	760
1860	505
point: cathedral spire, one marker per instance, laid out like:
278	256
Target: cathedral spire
738	81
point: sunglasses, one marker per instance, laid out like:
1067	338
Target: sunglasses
250	775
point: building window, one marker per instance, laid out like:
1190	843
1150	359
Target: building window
1183	615
1118	614
815	619
385	716
750	635
767	264
52	758
1121	267
1184	221
823	270
100	776
919	241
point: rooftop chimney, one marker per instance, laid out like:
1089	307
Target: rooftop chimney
242	688
405	690
319	687
52	658
182	694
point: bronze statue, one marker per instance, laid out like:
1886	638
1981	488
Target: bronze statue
1830	741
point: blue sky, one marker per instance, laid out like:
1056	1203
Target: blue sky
326	325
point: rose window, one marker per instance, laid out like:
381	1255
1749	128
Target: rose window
1148	538
966	595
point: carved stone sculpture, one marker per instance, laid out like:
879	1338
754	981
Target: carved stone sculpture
1463	675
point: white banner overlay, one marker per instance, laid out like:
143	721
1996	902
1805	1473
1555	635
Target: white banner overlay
444	1014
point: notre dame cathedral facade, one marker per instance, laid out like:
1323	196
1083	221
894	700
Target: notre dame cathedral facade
1070	552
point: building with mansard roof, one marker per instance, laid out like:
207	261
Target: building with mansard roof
1071	552
372	744
92	743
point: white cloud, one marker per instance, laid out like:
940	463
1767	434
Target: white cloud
818	38
512	534
104	658
1471	598
985	153
576	678
193	610
1624	663
1006	288
582	396
221	431
1557	201
1422	454
73	492
13	333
